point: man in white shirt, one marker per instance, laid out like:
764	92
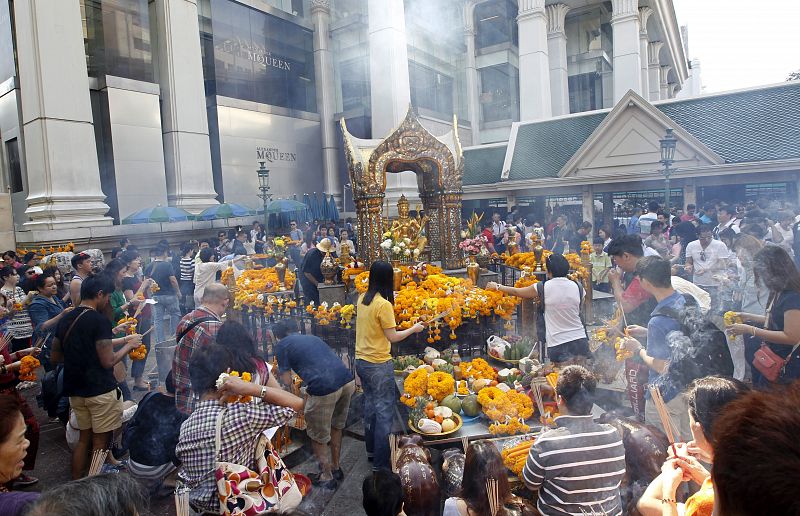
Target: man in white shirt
648	218
205	272
706	260
726	216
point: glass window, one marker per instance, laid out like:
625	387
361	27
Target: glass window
585	92
498	98
14	166
258	57
431	89
355	83
495	23
117	38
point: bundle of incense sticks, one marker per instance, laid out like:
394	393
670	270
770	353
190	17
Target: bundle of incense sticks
493	493
98	459
536	388
393	449
465	443
181	500
663	415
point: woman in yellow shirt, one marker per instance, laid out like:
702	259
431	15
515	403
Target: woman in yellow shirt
375	331
707	398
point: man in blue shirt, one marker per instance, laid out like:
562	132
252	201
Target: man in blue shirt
329	385
655	278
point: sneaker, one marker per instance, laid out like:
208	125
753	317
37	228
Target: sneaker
331	484
338	475
25	480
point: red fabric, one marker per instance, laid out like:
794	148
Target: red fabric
488	234
634	295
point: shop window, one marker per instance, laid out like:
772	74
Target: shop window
14	166
585	92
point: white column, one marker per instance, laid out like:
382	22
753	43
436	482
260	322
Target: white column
473	101
627	64
60	153
653	69
534	66
388	65
557	55
326	100
389	84
664	81
644	15
187	151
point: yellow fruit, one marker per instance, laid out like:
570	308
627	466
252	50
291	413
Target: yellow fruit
448	425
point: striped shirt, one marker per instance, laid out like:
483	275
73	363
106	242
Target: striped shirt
577	468
187	269
19	326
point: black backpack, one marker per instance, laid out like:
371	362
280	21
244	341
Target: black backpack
701	351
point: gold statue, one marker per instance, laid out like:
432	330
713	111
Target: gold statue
407	227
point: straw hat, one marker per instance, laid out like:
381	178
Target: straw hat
324	245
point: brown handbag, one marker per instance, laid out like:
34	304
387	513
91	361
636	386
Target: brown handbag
769	363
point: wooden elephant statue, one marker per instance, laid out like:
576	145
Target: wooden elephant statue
421	493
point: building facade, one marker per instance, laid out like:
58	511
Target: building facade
109	106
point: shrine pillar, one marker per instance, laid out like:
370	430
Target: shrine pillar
370	226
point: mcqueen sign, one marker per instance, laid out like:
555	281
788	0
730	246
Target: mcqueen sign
254	53
274	154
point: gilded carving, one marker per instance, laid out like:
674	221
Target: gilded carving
439	170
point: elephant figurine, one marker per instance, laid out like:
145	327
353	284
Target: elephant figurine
421	492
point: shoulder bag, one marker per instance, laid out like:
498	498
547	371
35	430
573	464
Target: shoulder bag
766	361
242	491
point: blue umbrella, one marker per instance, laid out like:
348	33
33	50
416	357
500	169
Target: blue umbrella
283	206
307	202
315	211
158	214
323	206
333	211
225	211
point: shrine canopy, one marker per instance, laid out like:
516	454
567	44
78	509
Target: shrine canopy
438	162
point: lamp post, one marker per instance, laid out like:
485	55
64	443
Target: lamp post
668	144
263	187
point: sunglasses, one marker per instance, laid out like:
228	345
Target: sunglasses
702	256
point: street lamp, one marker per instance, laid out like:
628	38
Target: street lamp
668	144
263	187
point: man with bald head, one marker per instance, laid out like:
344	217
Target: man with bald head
196	330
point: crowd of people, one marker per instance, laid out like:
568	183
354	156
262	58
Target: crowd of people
690	287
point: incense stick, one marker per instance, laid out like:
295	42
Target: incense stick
663	415
98	459
465	443
393	451
494	496
148	331
181	500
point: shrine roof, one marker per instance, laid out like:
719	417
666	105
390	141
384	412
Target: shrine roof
482	165
759	124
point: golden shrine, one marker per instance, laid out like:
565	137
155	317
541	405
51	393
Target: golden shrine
438	162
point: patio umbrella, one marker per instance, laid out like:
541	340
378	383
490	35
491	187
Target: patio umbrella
158	214
307	202
316	213
224	211
283	206
333	212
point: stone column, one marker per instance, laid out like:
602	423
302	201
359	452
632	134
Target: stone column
587	198
664	81
326	99
60	152
187	150
473	101
644	15
389	83
534	66
654	70
627	63
557	55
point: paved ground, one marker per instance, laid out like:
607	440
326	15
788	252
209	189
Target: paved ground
54	456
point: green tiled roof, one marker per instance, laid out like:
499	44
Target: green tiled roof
483	165
543	148
755	125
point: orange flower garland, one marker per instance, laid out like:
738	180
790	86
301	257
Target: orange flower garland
440	385
252	284
138	353
27	368
477	369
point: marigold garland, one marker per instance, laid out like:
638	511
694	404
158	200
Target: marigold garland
27	368
440	385
477	369
416	384
507	410
138	353
252	284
